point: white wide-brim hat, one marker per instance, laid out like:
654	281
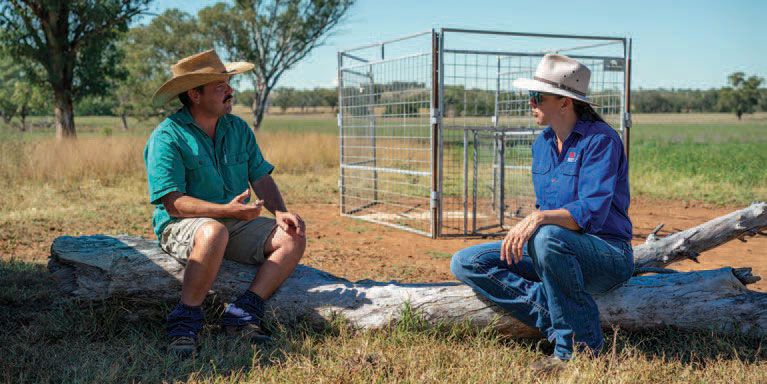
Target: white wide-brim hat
193	71
559	75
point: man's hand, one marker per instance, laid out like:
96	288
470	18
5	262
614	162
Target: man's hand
242	211
290	223
511	248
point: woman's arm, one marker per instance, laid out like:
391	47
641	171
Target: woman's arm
511	248
560	217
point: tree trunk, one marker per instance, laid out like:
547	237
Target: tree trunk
97	267
124	120
23	116
260	98
64	114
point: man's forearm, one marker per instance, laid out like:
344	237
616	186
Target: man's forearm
266	190
182	206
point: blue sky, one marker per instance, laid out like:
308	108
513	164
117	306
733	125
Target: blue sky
676	44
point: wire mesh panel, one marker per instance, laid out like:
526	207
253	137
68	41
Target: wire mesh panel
435	139
385	137
487	129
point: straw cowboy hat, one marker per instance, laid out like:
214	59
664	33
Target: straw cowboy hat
196	70
559	75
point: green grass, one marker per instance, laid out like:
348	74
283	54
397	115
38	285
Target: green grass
439	254
720	164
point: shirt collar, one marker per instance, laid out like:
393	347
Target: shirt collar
581	127
184	117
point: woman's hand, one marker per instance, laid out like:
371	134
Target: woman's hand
511	248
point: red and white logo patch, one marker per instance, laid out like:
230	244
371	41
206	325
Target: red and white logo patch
571	157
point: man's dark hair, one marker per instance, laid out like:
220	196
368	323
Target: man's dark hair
184	96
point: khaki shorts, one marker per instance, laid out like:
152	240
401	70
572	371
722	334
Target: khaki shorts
246	238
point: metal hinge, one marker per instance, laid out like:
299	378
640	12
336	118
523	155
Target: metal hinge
434	115
434	199
627	119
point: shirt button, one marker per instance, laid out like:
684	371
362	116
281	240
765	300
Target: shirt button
553	179
199	162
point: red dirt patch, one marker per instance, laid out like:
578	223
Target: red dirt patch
357	250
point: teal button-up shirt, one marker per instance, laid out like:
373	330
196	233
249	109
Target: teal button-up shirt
180	156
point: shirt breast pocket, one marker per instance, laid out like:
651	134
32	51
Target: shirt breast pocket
568	186
540	173
202	180
235	172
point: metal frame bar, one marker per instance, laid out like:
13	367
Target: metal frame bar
527	34
526	54
374	62
502	148
407	37
372	122
626	120
349	55
435	100
384	170
437	129
440	154
341	180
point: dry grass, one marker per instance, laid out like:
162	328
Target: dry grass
109	159
103	158
299	153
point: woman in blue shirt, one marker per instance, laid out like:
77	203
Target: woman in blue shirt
577	242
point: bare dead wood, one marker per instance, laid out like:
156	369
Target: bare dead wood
97	267
690	243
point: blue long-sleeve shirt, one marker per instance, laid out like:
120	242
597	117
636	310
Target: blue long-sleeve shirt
589	178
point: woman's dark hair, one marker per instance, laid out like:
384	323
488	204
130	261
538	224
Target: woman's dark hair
184	96
585	112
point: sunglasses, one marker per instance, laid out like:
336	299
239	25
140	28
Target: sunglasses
537	97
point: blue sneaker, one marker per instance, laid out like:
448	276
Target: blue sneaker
243	318
182	326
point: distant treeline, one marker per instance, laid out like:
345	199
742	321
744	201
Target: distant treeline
642	101
688	100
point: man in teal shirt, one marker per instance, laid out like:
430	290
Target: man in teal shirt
201	163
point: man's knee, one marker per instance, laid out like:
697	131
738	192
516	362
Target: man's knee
211	234
293	245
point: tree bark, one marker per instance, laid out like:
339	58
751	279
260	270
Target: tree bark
97	267
64	114
690	243
124	120
23	116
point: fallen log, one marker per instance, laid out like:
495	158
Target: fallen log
97	267
690	243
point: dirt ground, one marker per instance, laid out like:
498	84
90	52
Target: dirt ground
359	250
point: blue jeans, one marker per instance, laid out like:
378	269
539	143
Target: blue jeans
551	287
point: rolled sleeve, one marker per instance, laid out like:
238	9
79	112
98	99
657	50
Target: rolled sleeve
164	168
596	184
258	167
